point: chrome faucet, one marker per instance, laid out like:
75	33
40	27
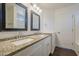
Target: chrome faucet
19	35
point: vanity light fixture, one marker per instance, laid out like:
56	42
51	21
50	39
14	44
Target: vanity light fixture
36	8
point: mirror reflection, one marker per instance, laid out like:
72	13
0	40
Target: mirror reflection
15	16
35	21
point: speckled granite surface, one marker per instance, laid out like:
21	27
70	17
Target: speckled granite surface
6	47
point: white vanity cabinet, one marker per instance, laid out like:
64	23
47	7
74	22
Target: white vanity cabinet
41	48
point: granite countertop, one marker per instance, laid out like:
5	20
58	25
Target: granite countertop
7	48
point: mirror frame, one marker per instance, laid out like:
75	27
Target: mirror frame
4	18
35	29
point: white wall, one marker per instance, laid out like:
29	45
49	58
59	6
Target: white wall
66	11
50	18
7	34
47	21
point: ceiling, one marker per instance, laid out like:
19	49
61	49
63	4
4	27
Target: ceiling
54	5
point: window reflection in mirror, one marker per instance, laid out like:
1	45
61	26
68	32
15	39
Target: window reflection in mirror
16	16
20	17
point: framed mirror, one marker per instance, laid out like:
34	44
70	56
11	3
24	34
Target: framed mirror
35	21
15	15
1	16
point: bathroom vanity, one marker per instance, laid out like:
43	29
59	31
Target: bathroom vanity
14	17
40	48
32	45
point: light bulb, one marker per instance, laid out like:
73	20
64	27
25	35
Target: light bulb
34	5
40	10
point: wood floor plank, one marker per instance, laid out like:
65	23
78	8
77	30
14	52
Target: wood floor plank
63	52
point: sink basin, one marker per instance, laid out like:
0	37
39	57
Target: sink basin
38	36
41	35
20	42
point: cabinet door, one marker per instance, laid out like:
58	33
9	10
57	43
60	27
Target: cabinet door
25	52
45	50
47	46
37	49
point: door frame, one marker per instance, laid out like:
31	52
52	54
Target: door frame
73	31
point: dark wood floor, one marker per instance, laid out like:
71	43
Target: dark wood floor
63	52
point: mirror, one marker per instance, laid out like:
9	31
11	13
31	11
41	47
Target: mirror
15	16
35	21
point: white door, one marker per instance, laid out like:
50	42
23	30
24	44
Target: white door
63	28
76	26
